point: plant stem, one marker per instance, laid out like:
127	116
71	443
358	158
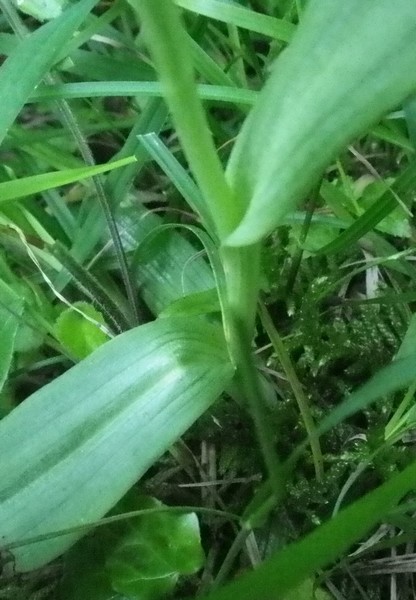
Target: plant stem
170	51
241	269
169	46
297	389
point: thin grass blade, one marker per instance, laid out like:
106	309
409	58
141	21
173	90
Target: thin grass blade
33	58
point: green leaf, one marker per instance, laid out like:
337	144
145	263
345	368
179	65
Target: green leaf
348	64
11	308
18	188
77	334
200	303
71	450
172	268
230	12
32	59
156	551
218	93
318	235
85	574
141	556
41	9
397	222
402	187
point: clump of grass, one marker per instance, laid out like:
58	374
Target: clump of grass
158	262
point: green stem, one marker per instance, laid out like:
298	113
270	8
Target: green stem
248	378
241	270
297	389
169	45
297	258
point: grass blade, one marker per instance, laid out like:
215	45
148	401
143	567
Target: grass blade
290	567
11	307
97	89
33	58
241	17
403	187
27	186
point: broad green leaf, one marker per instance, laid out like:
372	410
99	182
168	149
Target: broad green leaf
297	562
348	64
32	59
11	308
318	235
72	449
172	269
144	554
77	334
85	575
200	303
157	549
18	188
370	193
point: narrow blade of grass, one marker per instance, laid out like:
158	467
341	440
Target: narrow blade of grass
19	188
32	59
403	187
93	89
177	175
241	17
290	567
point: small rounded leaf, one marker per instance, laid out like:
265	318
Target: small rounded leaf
78	334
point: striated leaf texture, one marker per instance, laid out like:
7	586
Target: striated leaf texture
348	64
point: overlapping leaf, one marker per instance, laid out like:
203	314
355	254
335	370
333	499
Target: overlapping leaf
348	64
71	450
